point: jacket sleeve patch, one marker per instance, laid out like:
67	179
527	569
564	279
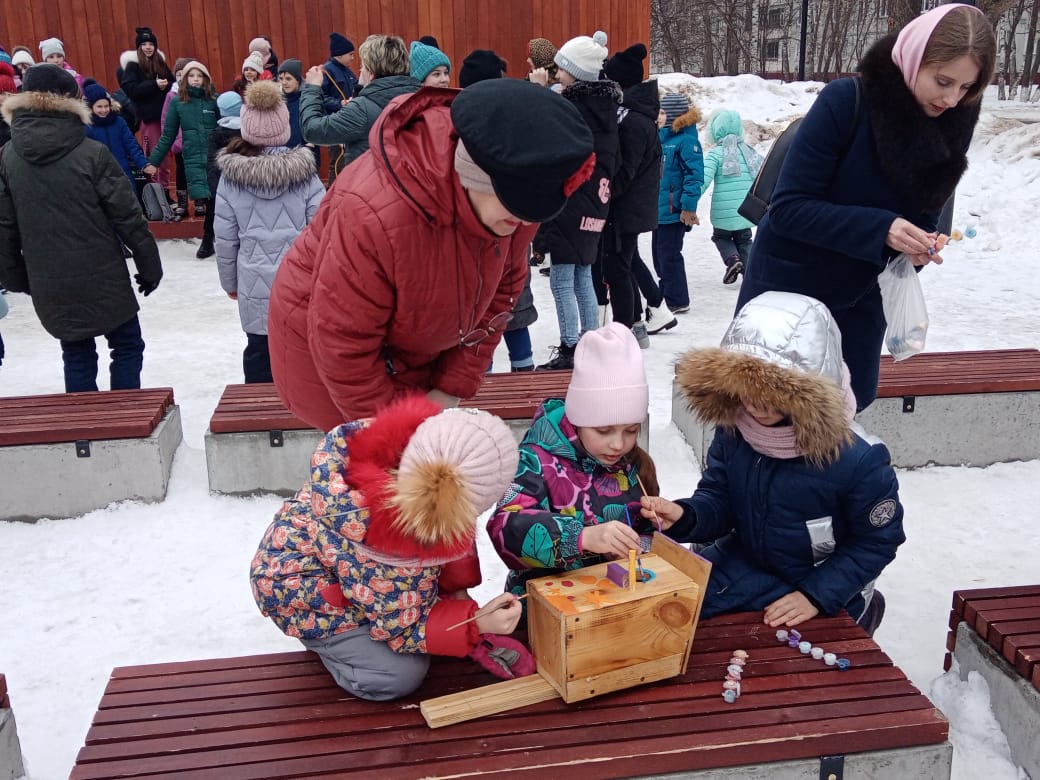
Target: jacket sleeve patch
883	512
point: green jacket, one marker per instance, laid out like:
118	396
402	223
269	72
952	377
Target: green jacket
196	120
65	206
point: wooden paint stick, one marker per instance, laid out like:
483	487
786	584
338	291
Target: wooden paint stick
481	612
632	580
656	518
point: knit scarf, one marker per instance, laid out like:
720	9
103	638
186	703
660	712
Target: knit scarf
733	148
778	441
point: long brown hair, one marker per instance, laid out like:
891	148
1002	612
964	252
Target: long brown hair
964	32
239	145
207	86
154	67
645	468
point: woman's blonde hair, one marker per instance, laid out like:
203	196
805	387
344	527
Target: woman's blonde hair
964	32
385	55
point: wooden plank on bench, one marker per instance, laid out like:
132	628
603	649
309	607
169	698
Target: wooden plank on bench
281	716
254	407
517	396
67	417
5	699
952	373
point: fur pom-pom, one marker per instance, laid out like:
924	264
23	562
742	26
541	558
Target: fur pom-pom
600	37
263	95
434	507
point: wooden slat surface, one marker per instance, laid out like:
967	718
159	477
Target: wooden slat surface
67	417
955	373
280	715
1008	619
5	700
512	396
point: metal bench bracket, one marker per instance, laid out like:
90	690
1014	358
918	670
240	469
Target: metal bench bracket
276	437
82	448
908	403
832	767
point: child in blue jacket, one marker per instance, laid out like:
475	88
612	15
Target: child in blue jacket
109	128
682	178
801	512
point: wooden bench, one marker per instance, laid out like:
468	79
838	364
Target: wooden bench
11	765
281	716
943	408
105	446
996	632
254	444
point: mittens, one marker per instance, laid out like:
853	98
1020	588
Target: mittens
503	656
145	286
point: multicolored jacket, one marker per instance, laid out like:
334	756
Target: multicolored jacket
559	489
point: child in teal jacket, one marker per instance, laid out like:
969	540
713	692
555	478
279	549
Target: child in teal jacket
732	165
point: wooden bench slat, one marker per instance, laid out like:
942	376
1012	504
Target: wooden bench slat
950	373
961	597
974	606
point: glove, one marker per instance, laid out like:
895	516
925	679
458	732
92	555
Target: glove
503	656
145	286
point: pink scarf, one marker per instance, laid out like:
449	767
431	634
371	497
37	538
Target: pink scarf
777	441
913	40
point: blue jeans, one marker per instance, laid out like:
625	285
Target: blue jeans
518	342
668	262
732	244
127	349
576	307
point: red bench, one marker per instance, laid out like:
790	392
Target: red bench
108	446
996	633
281	716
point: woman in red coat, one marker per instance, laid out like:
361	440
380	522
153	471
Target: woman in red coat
407	275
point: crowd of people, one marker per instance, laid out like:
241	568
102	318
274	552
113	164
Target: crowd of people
377	304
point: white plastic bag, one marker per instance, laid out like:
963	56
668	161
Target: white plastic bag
905	309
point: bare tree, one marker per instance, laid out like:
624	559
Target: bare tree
1029	60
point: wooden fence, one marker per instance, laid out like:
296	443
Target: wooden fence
218	32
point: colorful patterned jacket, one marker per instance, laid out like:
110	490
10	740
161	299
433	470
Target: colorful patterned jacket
558	490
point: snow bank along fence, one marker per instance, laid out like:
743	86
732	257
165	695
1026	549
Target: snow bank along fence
944	408
66	454
996	632
10	751
281	715
254	444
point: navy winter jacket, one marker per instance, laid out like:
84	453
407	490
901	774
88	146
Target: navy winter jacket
340	84
114	133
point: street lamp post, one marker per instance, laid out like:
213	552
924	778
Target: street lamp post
801	40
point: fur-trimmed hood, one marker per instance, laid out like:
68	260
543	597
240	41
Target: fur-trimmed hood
689	119
45	126
782	351
131	56
274	171
922	157
580	90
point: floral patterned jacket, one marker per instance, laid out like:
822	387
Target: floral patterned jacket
558	490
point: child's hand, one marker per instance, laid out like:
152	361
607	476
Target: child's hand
614	539
668	512
504	614
539	76
689	218
790	610
150	170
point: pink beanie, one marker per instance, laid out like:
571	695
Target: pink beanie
264	116
261	45
479	448
608	386
913	40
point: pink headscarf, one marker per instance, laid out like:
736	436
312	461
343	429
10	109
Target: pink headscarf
913	40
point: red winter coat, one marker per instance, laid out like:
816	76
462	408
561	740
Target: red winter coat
372	298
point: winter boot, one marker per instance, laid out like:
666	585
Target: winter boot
734	268
639	331
205	248
658	318
519	369
200	207
181	208
562	359
606	315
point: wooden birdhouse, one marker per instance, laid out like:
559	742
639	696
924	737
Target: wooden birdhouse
604	628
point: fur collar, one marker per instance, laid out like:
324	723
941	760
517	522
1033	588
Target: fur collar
922	158
580	90
131	56
47	102
715	380
689	119
277	171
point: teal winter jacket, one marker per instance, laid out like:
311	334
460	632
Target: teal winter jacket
731	186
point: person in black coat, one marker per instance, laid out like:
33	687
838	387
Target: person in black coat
858	188
146	78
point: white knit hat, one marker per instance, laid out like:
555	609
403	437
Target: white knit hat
51	46
22	57
583	56
255	61
608	386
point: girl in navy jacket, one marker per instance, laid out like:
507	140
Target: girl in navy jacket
108	127
800	510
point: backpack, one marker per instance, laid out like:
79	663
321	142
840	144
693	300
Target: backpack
156	207
756	202
127	110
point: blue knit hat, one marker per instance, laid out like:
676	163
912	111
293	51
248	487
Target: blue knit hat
674	105
425	59
4	56
339	45
229	103
93	92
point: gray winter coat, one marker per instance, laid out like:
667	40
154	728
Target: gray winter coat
65	204
262	205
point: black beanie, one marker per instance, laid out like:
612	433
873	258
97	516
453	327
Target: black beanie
46	77
145	35
293	67
339	45
429	40
626	67
480	65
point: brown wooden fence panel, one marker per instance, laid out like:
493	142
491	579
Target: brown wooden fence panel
96	32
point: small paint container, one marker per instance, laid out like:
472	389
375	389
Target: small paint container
792	642
804	647
781	635
729	696
731	685
737	661
830	659
735	670
741	654
843	664
795	633
817	653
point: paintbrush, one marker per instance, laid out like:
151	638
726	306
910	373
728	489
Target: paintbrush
481	612
653	511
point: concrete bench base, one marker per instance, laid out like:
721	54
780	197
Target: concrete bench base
115	470
1014	700
246	463
10	751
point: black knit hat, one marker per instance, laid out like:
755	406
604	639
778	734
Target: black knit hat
145	35
480	65
46	77
339	45
293	67
536	158
626	67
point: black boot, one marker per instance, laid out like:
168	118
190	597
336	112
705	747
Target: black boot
205	248
515	370
562	359
181	209
200	207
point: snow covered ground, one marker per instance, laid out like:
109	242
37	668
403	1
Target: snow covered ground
134	583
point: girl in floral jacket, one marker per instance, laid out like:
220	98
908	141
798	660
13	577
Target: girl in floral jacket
368	564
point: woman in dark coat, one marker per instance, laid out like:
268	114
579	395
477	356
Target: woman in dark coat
146	78
858	189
